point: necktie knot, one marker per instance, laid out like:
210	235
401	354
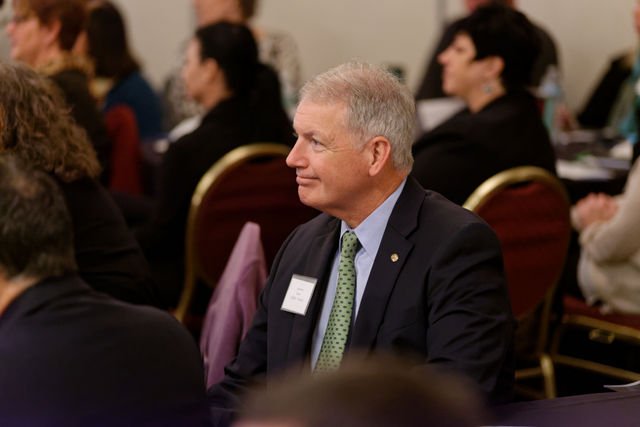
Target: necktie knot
349	245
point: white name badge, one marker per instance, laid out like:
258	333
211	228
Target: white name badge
299	294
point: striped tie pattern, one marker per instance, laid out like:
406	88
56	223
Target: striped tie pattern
335	338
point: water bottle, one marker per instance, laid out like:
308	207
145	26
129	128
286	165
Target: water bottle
550	91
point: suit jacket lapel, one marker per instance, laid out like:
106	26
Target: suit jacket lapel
392	254
324	247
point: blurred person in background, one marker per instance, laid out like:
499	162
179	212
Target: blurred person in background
42	34
431	85
37	128
117	71
614	101
275	48
488	65
609	265
242	102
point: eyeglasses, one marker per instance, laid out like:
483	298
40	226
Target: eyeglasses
20	18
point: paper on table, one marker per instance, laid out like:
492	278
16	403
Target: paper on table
634	386
622	150
582	170
432	112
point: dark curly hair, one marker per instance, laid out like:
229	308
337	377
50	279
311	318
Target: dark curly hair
36	126
35	226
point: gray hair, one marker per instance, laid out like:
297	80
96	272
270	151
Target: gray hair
378	104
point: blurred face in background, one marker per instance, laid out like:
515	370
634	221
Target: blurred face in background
28	37
212	11
461	74
193	71
472	5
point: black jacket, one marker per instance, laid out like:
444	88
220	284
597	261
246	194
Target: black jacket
457	156
108	256
71	356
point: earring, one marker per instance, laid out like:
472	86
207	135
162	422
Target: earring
487	88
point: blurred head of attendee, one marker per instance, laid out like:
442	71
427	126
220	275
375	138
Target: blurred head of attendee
42	30
492	53
376	392
104	40
221	61
36	126
35	229
211	11
472	5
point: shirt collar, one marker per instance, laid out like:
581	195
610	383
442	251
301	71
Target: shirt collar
370	231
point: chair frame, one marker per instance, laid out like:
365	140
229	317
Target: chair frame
599	331
208	182
474	203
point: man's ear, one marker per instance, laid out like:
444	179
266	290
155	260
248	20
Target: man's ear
379	149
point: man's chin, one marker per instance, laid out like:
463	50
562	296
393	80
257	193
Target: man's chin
305	197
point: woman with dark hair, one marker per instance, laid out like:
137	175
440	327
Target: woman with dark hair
242	99
488	65
105	42
42	34
37	128
276	48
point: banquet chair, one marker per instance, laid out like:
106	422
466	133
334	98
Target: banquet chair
605	344
528	208
122	128
250	183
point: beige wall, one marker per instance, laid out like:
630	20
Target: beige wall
401	32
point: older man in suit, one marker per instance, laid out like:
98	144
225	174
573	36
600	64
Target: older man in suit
388	266
70	356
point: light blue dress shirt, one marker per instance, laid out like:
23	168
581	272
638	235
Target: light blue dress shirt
369	234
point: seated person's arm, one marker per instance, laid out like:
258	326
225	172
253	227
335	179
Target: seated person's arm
618	237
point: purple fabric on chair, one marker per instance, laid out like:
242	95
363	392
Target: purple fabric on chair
233	303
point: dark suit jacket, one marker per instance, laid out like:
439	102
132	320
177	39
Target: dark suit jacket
444	300
71	356
460	154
